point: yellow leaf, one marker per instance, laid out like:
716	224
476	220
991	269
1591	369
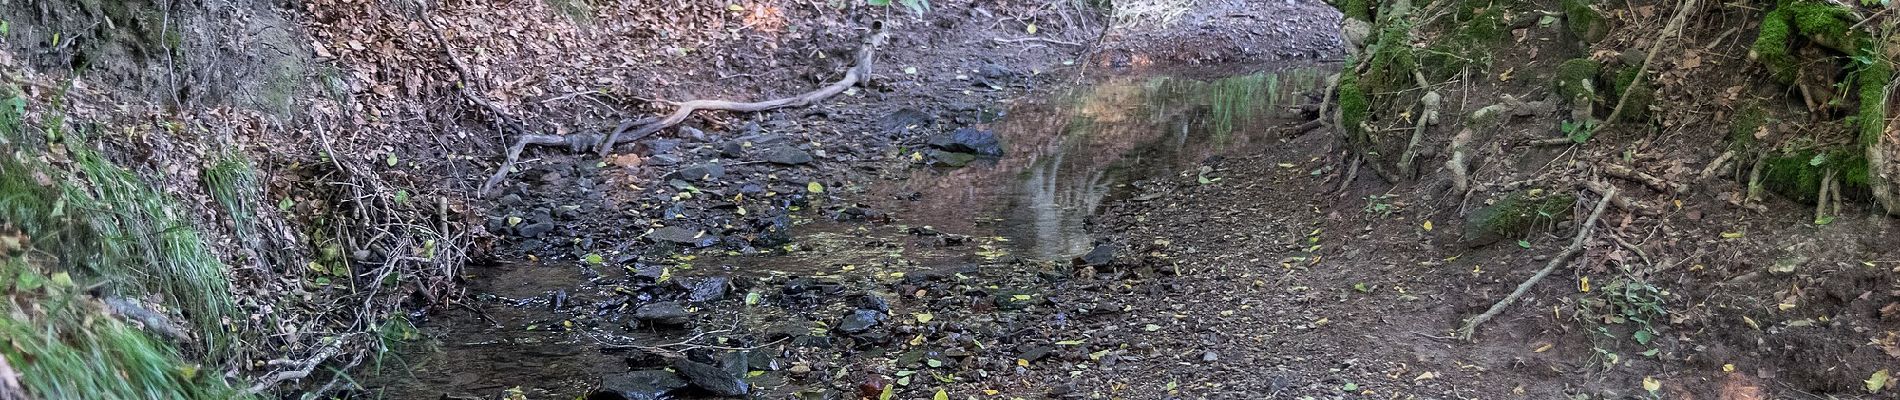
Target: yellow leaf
1878	381
1426	376
1544	348
1428	226
941	395
922	318
736	7
815	187
1032	29
1731	235
1022	362
1728	367
1651	384
1583	285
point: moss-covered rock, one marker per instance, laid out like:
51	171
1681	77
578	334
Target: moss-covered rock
1584	22
1797	174
1639	97
1772	48
1478	28
1576	79
1516	214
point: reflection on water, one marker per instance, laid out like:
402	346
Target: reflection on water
1068	154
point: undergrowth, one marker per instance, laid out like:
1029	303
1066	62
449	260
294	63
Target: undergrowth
98	224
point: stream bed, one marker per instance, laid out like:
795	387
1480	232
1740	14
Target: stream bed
925	282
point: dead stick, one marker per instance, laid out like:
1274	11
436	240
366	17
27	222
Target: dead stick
1669	31
851	77
1576	246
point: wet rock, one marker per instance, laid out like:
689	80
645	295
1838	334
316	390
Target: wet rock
681	235
662	160
535	229
703	171
663	313
732	149
1101	255
1015	299
905	120
860	321
711	379
785	154
705	288
1036	352
968	140
642	359
874	302
638	385
950	158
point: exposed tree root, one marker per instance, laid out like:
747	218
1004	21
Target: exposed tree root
1576	246
297	369
637	129
1720	163
1624	203
1652	181
1458	166
1352	172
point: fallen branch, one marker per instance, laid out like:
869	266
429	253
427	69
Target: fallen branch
299	369
1576	246
1669	31
1624	202
1715	166
635	130
1652	181
1037	39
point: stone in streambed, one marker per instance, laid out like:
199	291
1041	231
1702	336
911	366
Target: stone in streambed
638	385
711	379
785	154
663	313
968	140
860	321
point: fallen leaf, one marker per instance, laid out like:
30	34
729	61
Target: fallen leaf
1878	381
923	318
1651	384
1428	226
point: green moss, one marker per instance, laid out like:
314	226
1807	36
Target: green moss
1872	118
1797	174
1772	48
1478	28
1516	214
1353	107
1355	9
1821	21
1575	79
1639	97
1583	21
1750	118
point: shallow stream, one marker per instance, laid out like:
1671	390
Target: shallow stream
554	330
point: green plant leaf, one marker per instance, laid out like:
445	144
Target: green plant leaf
1524	243
879	3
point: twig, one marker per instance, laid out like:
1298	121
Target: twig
1037	39
637	129
1669	31
301	369
1652	181
1352	173
1576	246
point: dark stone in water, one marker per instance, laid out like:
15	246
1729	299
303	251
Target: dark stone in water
682	236
1101	255
860	321
642	359
785	154
663	313
705	288
638	385
711	379
968	140
703	171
